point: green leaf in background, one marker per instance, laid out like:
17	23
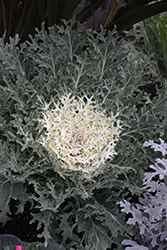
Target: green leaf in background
160	28
134	12
23	16
151	37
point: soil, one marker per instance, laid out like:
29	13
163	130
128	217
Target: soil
19	224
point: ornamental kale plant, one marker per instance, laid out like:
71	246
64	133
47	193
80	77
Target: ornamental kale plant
81	137
148	218
73	121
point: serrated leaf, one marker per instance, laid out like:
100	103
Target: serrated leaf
133	245
5	194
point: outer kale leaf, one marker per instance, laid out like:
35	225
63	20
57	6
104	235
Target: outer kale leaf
33	76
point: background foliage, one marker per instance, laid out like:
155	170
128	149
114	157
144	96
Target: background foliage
151	36
23	16
76	212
